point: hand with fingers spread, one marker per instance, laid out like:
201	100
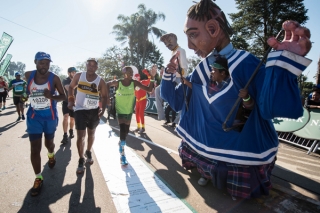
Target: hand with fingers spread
173	64
296	39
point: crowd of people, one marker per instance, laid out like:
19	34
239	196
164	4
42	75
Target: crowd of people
240	160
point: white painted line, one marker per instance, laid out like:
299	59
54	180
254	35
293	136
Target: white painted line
148	141
134	188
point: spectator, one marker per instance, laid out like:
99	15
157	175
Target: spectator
159	100
314	102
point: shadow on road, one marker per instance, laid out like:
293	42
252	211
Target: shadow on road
52	189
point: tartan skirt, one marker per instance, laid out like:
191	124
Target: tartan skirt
240	180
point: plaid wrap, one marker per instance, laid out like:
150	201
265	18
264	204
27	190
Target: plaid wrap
240	180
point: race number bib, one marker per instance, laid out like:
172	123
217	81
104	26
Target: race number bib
38	101
1	89
18	88
91	101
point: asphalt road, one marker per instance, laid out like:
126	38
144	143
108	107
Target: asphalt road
65	191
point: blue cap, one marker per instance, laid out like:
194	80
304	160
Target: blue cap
42	55
17	73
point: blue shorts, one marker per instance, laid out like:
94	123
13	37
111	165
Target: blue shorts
39	127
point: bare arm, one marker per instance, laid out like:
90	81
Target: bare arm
104	92
72	86
141	86
59	88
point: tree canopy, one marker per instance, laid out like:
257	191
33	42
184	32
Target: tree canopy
257	20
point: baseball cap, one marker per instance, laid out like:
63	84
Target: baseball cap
72	69
17	73
42	55
93	59
218	66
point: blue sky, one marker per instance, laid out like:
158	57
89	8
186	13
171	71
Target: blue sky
74	30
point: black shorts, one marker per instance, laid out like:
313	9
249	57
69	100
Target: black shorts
17	100
3	97
66	110
86	119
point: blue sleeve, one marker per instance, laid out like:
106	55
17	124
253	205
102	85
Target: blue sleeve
280	95
171	93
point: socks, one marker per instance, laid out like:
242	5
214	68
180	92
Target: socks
50	155
39	176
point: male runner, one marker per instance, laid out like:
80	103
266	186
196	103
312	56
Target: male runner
19	87
86	107
65	110
42	115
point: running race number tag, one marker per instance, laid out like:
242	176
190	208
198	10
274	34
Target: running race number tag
18	88
91	101
1	89
38	101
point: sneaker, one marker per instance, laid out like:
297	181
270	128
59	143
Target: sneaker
142	130
81	166
71	135
19	118
123	160
173	125
203	181
64	139
51	162
137	129
4	107
166	123
89	157
0	110
23	118
36	187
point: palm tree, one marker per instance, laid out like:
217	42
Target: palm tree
135	30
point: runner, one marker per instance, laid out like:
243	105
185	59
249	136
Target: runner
42	115
86	107
125	102
3	93
65	110
19	87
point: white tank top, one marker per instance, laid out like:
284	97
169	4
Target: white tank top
37	99
87	93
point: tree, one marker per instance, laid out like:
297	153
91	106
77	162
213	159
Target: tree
193	61
57	70
16	67
135	30
257	20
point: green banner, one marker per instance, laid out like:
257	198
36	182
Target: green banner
312	129
151	106
291	125
5	43
5	64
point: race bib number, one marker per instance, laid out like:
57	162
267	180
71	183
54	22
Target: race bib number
38	101
91	102
1	89
18	88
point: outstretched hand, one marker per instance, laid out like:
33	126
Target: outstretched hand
173	64
296	39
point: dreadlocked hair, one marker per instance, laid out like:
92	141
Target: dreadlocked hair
206	10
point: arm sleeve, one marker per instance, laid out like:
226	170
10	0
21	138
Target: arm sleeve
171	93
280	95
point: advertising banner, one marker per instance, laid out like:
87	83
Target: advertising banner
5	43
312	129
5	64
291	125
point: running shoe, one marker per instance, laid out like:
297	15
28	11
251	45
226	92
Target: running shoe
51	162
64	139
19	118
0	110
71	135
23	118
4	107
142	130
123	160
88	155
81	166
36	189
137	129
203	181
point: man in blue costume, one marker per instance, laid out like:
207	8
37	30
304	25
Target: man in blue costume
240	161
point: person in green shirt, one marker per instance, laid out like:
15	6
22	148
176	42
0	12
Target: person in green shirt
18	87
125	102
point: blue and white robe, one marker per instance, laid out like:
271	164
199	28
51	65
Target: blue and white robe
274	89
